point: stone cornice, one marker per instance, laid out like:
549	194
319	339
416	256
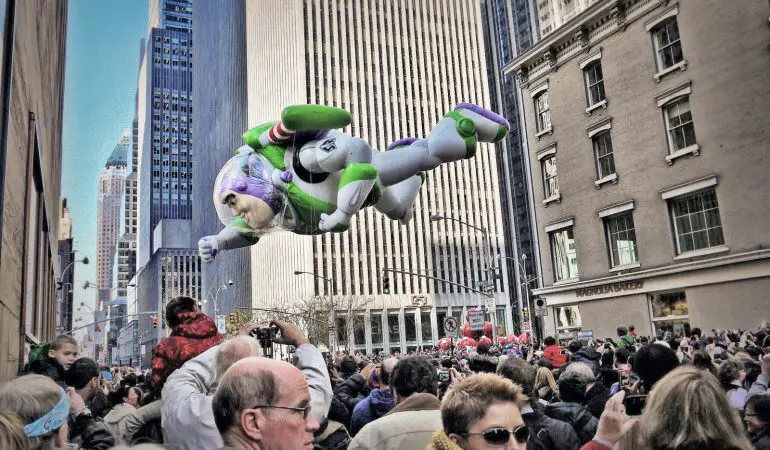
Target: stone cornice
578	36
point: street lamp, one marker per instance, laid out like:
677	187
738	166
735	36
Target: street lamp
333	336
216	296
64	272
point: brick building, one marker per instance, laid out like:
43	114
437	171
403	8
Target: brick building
646	124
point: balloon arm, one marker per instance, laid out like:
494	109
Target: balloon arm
230	239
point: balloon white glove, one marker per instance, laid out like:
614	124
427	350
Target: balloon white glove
208	247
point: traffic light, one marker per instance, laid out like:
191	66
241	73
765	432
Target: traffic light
155	321
385	284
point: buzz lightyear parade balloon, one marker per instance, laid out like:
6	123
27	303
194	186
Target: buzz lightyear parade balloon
304	176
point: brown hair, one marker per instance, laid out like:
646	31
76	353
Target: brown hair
12	436
31	396
687	409
468	401
62	339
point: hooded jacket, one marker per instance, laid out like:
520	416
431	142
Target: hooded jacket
376	405
553	353
408	426
195	334
483	363
124	420
547	433
576	415
588	356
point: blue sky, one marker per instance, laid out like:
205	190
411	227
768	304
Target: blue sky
100	83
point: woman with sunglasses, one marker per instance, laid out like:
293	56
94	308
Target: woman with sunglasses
482	412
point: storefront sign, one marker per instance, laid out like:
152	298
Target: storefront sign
609	288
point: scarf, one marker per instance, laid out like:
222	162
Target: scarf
442	442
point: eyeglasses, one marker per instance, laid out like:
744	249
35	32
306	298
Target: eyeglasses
500	436
305	411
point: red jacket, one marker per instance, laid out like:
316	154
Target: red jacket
195	334
553	354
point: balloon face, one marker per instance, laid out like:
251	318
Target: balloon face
245	198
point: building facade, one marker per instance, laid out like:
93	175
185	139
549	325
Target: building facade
510	28
397	68
552	14
645	122
165	139
34	32
219	87
64	298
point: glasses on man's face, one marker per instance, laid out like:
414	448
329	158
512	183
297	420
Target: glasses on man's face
500	436
305	411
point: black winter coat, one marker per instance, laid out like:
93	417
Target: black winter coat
349	392
762	441
576	415
549	434
589	356
596	398
90	433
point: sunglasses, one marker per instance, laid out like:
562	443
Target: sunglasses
500	436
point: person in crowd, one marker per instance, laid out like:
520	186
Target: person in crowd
192	333
763	379
624	340
545	385
702	360
126	416
757	420
348	367
44	408
651	363
379	401
632	331
731	375
687	409
351	387
570	408
596	393
579	352
262	403
12	436
482	411
187	416
62	352
483	360
607	374
83	377
411	423
554	353
545	433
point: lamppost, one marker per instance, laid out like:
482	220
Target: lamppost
524	289
62	289
332	336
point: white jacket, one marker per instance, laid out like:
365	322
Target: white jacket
124	420
187	417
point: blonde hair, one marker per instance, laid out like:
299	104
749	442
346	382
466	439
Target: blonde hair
31	396
468	401
545	378
687	409
12	436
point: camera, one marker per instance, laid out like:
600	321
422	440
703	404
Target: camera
634	404
265	336
443	376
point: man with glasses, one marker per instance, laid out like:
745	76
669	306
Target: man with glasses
264	404
482	411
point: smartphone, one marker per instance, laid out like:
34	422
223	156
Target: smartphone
443	377
634	404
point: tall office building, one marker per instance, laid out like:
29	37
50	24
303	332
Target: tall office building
552	14
219	87
30	173
66	257
397	68
167	262
510	28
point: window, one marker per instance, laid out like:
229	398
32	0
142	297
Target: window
375	321
342	330
394	331
594	83
681	131
543	112
567	317
359	330
669	312
410	325
605	162
426	331
550	177
621	239
696	221
668	47
564	254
